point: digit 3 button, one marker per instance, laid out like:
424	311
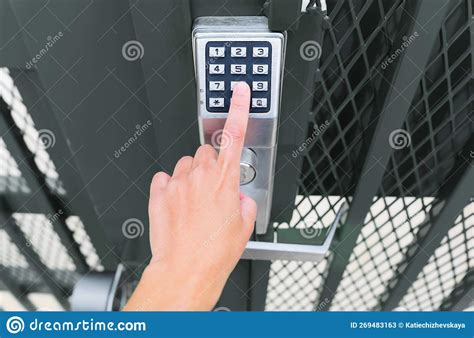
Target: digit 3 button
259	102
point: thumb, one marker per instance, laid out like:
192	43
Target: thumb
248	209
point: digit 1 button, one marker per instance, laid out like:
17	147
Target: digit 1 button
260	52
259	86
216	86
238	52
260	69
238	69
216	52
216	102
216	69
259	103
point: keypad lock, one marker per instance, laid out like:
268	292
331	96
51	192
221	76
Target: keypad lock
232	49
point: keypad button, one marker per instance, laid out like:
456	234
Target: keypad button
216	102
216	85
260	86
259	103
233	84
217	52
260	69
216	69
238	52
260	52
238	69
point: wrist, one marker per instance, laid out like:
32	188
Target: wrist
163	288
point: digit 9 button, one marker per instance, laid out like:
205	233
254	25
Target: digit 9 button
228	62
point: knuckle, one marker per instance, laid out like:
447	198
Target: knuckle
184	160
207	148
159	179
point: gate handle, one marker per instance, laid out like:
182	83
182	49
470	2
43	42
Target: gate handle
294	252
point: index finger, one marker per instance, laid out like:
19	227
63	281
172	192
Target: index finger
235	126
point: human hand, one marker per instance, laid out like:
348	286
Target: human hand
199	222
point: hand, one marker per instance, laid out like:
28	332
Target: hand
199	222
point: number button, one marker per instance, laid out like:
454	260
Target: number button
216	85
216	69
260	69
238	52
259	103
238	69
260	52
260	86
216	102
233	84
216	52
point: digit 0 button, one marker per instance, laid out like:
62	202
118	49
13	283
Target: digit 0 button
259	103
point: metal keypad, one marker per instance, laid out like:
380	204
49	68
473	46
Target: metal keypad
228	62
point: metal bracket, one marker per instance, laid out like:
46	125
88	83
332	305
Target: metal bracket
295	252
99	291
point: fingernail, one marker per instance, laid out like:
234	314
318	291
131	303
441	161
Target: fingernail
241	88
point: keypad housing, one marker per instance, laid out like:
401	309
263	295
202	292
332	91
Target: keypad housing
257	59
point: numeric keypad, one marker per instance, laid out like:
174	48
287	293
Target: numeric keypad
229	62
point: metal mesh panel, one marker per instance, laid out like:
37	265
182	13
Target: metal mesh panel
391	227
12	262
438	127
41	236
446	267
75	224
37	141
37	228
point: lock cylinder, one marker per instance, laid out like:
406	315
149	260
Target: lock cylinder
248	166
